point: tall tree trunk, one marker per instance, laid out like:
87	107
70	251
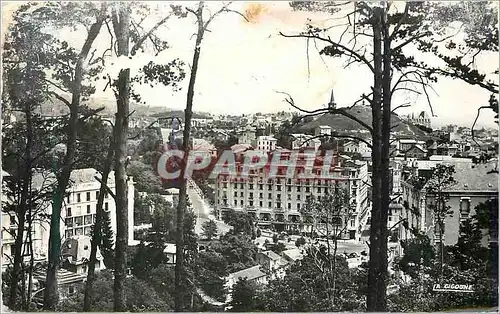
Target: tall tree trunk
26	172
51	295
181	207
30	241
97	232
385	170
121	25
376	298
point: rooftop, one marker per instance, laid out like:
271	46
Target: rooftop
475	177
249	273
271	255
293	254
45	178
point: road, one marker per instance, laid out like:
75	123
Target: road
202	210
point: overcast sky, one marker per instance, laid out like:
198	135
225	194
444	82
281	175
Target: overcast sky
243	64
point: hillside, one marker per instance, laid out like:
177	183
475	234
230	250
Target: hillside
55	107
342	124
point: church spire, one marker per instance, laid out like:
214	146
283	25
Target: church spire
331	104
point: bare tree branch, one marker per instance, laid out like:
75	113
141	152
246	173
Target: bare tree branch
141	40
336	45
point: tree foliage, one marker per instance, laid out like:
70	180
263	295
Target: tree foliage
305	287
209	229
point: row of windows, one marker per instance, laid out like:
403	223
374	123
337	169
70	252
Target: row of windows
79	221
261	195
70	213
279	181
88	197
261	204
78	231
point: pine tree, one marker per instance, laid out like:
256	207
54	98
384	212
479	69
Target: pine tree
107	243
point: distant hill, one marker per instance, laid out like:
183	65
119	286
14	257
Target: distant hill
342	124
55	107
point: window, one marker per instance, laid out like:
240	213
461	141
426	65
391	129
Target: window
464	208
241	202
260	186
260	195
68	222
87	231
68	211
260	203
78	231
78	221
12	220
12	250
67	198
235	202
88	209
319	190
278	187
106	195
88	196
88	219
241	194
270	205
71	289
242	186
269	195
250	203
278	205
106	206
298	189
93	218
78	197
251	194
69	233
289	206
298	197
390	218
298	206
251	187
289	189
235	194
307	189
96	194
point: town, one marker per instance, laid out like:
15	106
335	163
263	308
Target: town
276	211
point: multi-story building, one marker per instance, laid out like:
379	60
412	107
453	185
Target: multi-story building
266	144
9	231
305	141
475	184
247	136
78	211
421	119
407	147
278	200
323	130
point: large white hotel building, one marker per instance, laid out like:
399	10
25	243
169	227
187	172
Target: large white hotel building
278	200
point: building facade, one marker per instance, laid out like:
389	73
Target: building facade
266	144
78	212
278	201
475	184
